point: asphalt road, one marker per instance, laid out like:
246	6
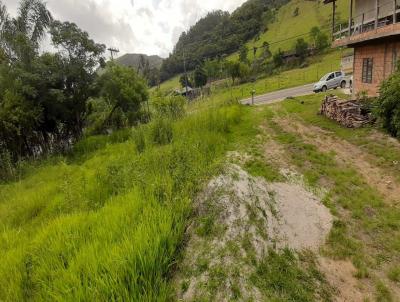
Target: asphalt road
280	95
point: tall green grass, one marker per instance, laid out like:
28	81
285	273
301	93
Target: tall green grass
106	222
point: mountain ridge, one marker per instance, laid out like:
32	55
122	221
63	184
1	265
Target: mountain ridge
133	60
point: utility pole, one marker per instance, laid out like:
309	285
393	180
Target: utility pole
185	73
112	51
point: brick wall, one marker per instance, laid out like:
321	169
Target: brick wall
384	56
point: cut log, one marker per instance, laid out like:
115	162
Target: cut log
346	113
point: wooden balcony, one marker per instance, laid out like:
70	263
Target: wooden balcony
379	19
365	34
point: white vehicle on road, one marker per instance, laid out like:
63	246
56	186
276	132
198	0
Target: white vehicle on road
331	80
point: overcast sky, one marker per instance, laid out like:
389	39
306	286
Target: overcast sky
134	26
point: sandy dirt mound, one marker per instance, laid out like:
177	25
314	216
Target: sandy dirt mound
304	221
241	217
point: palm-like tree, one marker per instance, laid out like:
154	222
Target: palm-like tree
20	37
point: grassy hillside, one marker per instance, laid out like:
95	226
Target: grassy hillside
286	28
106	222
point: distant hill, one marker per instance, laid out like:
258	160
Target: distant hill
219	33
278	22
133	60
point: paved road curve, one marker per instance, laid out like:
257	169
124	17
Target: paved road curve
280	95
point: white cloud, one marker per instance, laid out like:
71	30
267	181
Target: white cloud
140	26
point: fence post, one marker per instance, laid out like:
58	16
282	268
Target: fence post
362	23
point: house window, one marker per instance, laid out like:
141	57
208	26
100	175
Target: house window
368	64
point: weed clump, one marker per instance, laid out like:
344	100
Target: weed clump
162	131
169	107
139	139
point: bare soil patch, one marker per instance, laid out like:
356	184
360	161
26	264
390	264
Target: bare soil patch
340	274
240	218
347	154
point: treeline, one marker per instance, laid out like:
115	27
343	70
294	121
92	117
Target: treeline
48	99
219	34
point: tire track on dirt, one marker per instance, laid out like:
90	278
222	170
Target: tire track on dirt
347	154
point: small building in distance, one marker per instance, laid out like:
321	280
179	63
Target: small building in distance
373	30
347	63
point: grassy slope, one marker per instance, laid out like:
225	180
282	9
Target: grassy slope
106	223
169	84
285	26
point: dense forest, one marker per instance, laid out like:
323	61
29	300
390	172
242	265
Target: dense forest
218	34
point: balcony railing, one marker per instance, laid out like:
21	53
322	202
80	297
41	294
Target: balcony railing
367	21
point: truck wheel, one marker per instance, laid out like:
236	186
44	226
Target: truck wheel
343	85
324	88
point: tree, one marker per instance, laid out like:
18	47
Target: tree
237	70
266	51
301	48
185	80
212	68
200	77
319	39
43	98
389	105
144	67
124	90
314	33
322	42
80	57
20	36
153	77
277	59
243	54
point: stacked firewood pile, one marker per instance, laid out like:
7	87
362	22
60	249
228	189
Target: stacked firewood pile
347	113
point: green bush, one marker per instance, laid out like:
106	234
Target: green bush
169	107
161	131
389	104
7	169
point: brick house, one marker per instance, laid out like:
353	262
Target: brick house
373	30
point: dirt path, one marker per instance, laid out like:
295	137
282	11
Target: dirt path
339	273
347	154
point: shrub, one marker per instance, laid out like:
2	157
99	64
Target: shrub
169	107
139	139
278	59
301	48
389	104
162	132
320	39
7	168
